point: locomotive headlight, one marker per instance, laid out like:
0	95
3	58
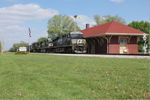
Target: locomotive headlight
79	41
50	44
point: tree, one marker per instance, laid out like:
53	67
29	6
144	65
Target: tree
105	19
42	39
17	45
59	25
142	26
1	47
99	19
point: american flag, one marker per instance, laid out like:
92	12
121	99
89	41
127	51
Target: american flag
29	32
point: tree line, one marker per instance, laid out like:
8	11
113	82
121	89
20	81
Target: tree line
62	24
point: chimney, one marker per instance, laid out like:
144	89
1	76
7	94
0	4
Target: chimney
87	26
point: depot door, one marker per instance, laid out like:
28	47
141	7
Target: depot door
123	46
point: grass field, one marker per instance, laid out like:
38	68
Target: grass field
43	77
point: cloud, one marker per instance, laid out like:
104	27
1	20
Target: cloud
21	13
117	1
13	19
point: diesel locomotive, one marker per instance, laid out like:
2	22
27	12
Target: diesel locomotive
68	43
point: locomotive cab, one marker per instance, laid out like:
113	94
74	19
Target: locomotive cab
78	42
50	43
76	35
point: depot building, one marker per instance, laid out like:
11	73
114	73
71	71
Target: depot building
112	38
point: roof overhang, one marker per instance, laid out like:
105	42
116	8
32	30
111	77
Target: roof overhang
114	34
98	35
129	34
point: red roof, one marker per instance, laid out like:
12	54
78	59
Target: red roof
113	28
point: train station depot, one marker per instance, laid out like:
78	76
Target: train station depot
112	38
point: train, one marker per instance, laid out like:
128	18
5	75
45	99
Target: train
74	42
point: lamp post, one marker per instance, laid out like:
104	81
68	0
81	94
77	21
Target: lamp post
75	17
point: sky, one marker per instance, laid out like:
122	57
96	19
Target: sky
16	16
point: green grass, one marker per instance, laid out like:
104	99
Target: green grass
43	77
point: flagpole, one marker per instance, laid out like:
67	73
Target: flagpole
29	44
29	38
1	47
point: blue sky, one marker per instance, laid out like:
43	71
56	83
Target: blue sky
17	15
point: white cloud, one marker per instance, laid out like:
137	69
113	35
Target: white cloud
12	19
20	13
117	1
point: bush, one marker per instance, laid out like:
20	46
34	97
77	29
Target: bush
22	52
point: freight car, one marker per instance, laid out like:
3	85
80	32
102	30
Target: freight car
68	43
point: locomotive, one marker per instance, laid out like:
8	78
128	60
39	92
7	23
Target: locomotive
68	43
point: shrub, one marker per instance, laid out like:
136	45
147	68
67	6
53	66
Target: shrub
22	52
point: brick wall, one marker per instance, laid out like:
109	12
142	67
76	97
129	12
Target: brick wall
133	46
113	46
